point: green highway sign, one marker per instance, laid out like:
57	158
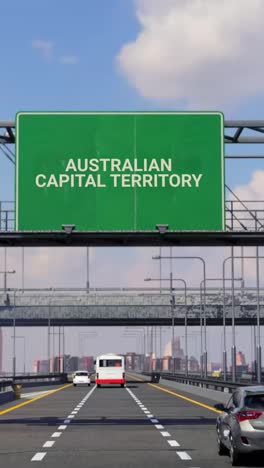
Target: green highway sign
112	171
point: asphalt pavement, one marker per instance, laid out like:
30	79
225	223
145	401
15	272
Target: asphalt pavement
111	427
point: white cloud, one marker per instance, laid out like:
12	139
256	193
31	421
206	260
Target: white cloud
205	53
254	189
68	60
45	47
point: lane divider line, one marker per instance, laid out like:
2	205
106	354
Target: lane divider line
38	456
173	443
184	455
48	444
28	402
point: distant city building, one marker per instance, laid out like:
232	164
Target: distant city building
194	365
86	363
178	351
72	364
240	359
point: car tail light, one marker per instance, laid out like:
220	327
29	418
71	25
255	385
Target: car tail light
246	415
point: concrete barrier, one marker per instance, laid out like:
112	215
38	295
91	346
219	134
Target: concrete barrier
214	395
7	395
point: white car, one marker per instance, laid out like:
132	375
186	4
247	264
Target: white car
81	377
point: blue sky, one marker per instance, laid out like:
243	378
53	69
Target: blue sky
88	36
59	55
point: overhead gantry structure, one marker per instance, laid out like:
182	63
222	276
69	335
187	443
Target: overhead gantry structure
238	233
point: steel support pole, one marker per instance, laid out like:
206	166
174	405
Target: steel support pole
201	337
224	328
59	349
23	268
87	269
204	315
160	343
63	349
49	338
186	329
258	320
14	336
255	350
5	273
172	323
233	351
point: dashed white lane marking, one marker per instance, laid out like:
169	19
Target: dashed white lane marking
184	456
74	412
39	456
173	443
49	443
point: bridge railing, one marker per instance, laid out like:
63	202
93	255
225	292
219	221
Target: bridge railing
214	383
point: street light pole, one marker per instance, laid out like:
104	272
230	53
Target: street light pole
87	269
258	320
203	355
172	299
232	257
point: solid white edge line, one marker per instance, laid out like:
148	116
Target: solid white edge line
184	455
38	456
49	444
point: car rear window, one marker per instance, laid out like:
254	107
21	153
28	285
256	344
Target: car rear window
110	363
255	402
81	374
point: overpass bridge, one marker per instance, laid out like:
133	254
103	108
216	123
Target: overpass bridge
118	308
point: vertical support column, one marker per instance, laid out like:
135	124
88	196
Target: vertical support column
14	336
23	268
233	352
87	269
49	337
258	320
201	337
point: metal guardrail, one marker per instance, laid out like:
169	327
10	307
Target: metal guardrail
214	383
34	379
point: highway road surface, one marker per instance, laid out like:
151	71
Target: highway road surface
142	425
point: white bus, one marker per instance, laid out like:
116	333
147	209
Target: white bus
110	369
